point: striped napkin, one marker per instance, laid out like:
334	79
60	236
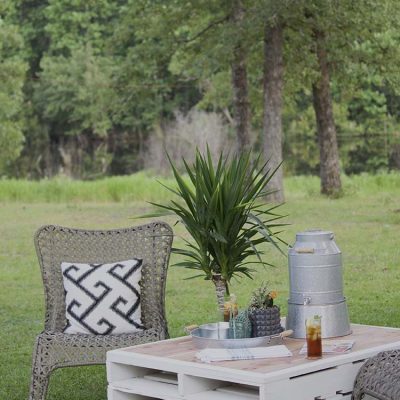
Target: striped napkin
209	355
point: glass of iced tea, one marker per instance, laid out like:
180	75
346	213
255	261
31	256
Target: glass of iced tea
313	336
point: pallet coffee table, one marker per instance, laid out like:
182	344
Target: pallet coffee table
169	370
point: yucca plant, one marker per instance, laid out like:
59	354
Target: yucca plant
222	209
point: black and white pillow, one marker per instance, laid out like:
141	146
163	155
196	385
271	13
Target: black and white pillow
102	299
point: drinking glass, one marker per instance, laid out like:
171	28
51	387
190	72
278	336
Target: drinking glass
313	336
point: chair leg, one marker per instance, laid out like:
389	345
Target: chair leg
40	372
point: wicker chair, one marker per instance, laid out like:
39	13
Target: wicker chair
53	348
379	377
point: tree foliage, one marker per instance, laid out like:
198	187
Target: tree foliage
86	86
75	93
12	74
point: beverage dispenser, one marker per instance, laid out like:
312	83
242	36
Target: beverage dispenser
316	285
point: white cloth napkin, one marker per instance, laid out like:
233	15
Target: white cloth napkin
209	355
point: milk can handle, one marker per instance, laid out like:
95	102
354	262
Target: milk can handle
305	250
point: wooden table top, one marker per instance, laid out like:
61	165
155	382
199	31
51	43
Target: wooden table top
183	350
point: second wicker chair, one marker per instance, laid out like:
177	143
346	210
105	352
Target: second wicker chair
379	377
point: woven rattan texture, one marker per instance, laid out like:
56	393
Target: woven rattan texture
54	244
379	377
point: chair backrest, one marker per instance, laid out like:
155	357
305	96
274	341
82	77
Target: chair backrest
150	242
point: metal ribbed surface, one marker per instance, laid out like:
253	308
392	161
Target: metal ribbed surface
316	284
318	278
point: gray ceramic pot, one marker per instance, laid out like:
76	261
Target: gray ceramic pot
266	322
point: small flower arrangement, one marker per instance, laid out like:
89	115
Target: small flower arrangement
262	297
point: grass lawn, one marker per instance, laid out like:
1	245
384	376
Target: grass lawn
366	223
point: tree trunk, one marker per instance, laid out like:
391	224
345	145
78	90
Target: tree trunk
220	290
328	147
273	94
241	104
394	157
70	149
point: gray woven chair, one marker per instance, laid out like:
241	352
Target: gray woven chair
379	377
53	348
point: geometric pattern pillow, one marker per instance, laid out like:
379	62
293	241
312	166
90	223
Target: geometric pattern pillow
102	299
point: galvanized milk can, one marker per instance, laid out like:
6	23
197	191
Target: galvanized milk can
316	285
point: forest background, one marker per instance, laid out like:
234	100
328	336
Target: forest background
96	88
90	88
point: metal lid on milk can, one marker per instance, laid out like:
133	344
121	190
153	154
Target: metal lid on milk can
314	241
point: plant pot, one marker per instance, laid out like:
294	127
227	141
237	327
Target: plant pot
266	322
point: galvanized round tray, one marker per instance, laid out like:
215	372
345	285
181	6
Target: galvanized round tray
214	336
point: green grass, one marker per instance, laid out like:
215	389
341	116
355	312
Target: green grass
366	222
139	187
143	186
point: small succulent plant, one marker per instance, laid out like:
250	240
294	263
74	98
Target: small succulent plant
262	297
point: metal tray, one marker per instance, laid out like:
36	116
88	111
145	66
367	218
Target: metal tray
202	340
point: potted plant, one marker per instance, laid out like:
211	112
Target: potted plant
264	315
222	209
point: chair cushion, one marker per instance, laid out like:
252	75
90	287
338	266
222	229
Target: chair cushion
102	299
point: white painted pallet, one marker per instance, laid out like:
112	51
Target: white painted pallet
169	370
